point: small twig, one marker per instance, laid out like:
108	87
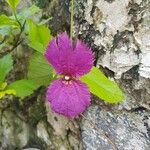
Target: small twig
3	53
14	12
103	134
22	27
17	42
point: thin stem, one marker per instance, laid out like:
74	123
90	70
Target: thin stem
17	42
71	21
14	12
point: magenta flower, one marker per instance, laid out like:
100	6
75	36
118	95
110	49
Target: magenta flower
68	95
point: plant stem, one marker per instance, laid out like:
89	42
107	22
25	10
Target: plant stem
17	42
14	12
71	21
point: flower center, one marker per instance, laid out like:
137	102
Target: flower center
67	78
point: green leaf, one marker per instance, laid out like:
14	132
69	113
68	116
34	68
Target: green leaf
44	21
7	92
39	70
28	12
6	64
102	87
6	21
39	36
13	3
23	87
3	86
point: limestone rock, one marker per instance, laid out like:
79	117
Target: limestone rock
14	132
126	130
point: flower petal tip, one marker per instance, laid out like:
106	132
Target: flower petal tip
66	59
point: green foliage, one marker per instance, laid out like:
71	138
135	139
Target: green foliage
6	64
20	88
6	21
39	70
103	87
7	92
39	36
3	86
7	25
13	3
23	87
13	30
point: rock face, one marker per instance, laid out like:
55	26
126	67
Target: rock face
118	31
119	34
32	125
108	130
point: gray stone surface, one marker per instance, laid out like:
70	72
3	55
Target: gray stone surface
118	32
13	131
127	130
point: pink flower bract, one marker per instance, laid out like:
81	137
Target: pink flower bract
68	95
